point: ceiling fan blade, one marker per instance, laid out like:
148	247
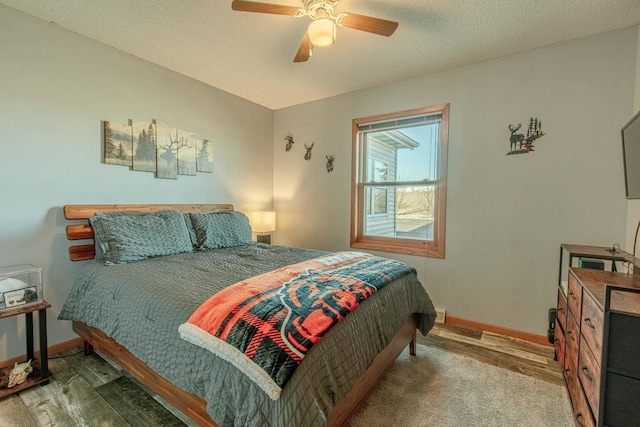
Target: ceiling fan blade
253	6
304	51
369	24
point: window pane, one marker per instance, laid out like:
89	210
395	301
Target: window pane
415	208
381	161
380	218
379	201
401	155
377	170
408	212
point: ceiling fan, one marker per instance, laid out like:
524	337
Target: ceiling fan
322	31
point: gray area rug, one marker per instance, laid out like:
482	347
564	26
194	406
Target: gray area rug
442	389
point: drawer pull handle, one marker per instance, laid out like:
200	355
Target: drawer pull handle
557	341
561	310
585	371
572	295
580	419
588	322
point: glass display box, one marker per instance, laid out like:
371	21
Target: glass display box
20	286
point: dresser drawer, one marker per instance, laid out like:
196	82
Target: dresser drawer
558	344
592	325
572	336
574	296
581	410
570	376
589	375
561	314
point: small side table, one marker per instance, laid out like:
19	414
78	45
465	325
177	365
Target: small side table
40	374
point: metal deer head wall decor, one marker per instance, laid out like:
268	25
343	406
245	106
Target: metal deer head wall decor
307	155
330	160
290	142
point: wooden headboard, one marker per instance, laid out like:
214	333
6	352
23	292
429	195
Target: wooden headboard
85	231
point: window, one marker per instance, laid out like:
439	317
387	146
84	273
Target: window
376	204
399	182
376	197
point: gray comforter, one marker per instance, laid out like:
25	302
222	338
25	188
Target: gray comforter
142	304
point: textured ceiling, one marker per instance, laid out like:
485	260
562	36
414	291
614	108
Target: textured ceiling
250	55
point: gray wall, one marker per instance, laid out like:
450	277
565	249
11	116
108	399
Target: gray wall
633	210
55	88
506	215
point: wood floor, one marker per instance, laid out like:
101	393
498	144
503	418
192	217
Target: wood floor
88	391
513	354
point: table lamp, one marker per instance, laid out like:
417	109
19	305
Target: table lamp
263	223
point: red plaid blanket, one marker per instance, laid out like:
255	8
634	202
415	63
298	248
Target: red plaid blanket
266	324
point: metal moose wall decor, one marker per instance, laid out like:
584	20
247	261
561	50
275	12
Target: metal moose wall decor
521	144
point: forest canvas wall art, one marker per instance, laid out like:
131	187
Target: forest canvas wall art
144	146
158	147
117	144
204	161
166	151
187	153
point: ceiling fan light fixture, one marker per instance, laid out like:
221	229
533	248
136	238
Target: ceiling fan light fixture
322	32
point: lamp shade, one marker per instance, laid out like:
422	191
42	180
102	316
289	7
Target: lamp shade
322	32
263	222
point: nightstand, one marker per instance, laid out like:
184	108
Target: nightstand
40	374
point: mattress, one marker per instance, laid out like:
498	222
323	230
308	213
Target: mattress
142	304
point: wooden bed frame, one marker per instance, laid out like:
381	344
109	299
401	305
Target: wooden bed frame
193	406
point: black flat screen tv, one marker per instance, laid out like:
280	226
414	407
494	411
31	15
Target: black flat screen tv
631	155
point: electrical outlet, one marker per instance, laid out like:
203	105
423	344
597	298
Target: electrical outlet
441	315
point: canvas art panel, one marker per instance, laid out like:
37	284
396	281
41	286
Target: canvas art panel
117	143
187	153
144	146
204	161
167	141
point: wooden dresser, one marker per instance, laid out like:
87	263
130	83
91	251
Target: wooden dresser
597	342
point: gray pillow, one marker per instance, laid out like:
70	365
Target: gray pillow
192	231
99	256
221	229
125	236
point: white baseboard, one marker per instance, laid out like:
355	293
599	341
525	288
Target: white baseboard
441	312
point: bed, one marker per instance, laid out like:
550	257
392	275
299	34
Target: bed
131	312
